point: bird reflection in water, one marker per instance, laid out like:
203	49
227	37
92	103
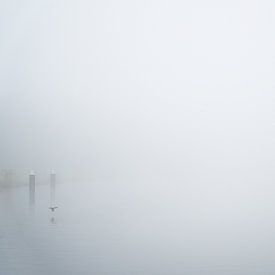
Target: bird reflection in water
53	221
52	207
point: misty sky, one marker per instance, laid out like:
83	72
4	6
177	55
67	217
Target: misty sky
115	89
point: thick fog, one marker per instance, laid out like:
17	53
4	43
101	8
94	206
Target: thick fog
159	118
139	89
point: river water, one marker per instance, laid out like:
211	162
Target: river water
105	228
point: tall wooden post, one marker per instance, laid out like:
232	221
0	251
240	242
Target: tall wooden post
32	188
52	186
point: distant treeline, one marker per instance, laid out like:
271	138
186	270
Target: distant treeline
9	178
6	177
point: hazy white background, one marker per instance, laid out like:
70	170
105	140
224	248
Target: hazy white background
166	109
139	88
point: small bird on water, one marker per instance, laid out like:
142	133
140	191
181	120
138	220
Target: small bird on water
53	208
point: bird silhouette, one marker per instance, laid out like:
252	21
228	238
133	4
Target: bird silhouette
53	208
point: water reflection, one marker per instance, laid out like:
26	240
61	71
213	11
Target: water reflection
114	231
53	221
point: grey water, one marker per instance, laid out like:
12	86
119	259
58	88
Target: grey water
112	228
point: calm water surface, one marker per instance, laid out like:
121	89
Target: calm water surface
114	229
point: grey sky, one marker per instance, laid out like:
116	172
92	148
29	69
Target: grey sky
138	88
